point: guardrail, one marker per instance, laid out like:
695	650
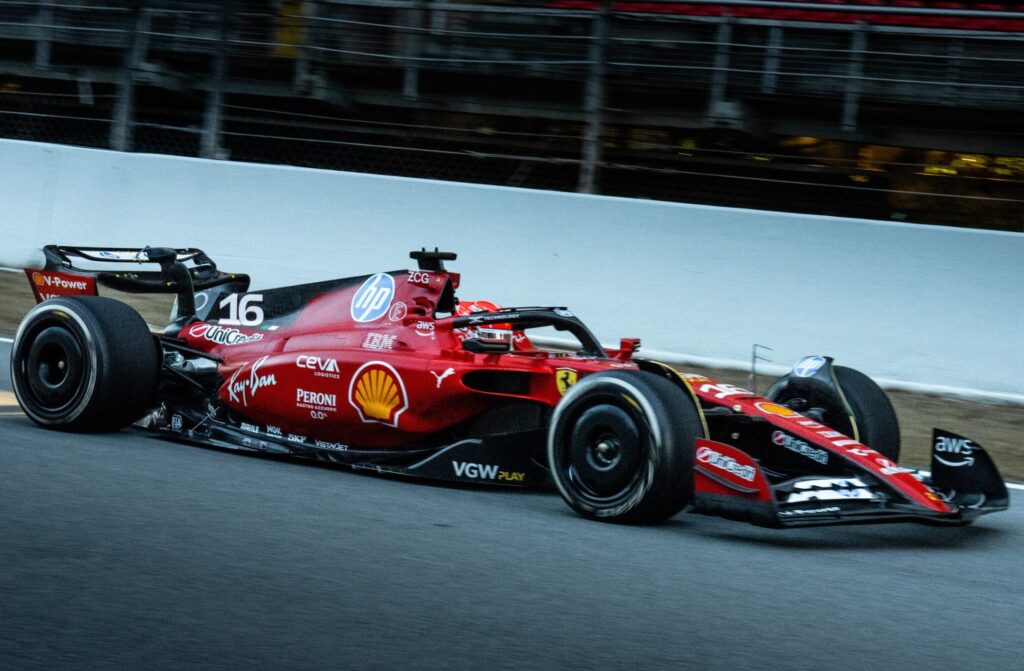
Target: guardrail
924	307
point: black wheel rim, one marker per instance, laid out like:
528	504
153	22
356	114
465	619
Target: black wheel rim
604	451
52	367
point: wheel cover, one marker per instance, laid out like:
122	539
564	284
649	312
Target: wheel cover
52	368
604	452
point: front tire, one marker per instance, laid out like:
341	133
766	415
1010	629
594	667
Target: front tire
84	364
621	447
873	422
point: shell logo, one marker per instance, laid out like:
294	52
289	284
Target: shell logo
776	409
378	393
38	279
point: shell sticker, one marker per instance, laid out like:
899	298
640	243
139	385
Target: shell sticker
377	392
776	409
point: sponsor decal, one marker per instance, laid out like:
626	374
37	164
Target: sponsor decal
377	392
176	422
109	255
808	366
833	437
398	312
776	409
295	438
419	277
693	377
722	390
830	489
324	445
706	455
274	431
486	472
57	282
379	342
958	451
223	336
245	426
241	388
565	378
562	312
425	328
316	401
890	467
321	367
441	376
810	511
800	447
372	300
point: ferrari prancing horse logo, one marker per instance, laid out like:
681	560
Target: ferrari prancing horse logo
565	378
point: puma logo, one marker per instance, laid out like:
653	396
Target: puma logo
441	376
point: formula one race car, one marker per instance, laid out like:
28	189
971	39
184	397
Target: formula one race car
389	372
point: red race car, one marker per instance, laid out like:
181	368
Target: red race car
389	372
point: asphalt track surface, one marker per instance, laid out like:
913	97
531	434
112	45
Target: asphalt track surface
126	552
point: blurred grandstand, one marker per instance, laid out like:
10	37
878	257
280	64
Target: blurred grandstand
891	109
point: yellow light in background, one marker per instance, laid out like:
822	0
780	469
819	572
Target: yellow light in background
969	161
939	170
800	141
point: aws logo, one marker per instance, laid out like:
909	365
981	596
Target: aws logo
378	393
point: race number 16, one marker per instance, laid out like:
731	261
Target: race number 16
244	312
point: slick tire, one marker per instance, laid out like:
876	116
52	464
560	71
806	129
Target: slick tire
876	419
876	423
621	447
84	364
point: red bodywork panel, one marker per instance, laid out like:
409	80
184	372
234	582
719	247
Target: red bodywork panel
372	360
741	400
47	284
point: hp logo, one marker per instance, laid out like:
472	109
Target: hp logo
373	299
808	366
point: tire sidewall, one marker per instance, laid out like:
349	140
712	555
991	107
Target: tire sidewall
82	327
667	423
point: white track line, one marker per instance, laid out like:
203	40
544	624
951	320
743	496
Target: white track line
6	340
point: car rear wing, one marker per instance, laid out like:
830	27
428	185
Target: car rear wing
182	272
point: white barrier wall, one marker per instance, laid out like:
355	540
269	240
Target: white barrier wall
921	306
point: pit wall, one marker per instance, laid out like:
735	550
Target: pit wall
926	308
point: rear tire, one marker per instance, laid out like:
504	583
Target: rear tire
621	447
84	364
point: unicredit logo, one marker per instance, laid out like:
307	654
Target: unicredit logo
706	455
